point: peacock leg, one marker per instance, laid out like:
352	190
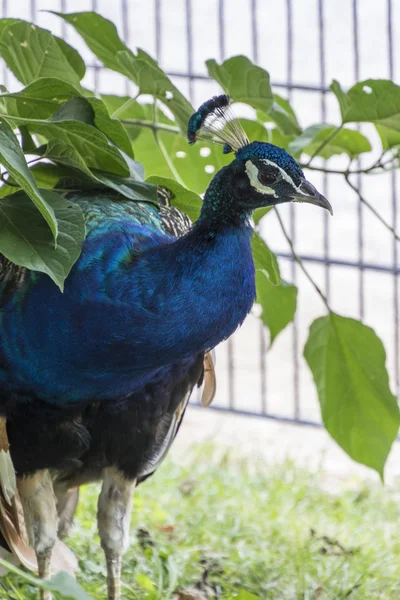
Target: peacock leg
67	501
39	504
113	517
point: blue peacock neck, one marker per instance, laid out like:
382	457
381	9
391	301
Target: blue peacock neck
220	208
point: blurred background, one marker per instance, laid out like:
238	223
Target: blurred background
304	44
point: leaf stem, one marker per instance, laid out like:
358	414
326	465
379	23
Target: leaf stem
300	262
371	208
124	106
325	143
151	125
162	148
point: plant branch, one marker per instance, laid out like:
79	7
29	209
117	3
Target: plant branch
371	208
325	143
300	262
162	148
124	106
155	126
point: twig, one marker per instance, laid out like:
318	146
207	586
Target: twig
300	262
371	208
162	148
124	106
325	143
155	126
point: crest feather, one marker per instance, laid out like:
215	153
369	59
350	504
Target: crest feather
215	121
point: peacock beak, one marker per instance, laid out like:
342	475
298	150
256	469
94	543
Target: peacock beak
308	193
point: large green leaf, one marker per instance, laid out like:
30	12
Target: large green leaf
32	52
40	99
243	81
182	198
112	128
26	240
390	138
102	38
283	115
347	141
12	157
71	124
138	191
278	303
373	100
360	412
265	260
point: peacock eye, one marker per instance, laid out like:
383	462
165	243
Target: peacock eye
268	177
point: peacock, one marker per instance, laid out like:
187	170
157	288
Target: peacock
95	381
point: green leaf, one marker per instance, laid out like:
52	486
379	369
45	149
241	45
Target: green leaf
32	52
112	128
40	99
125	108
26	240
12	157
73	57
265	260
259	213
243	81
347	141
100	35
360	412
283	115
62	583
63	154
278	303
71	125
243	595
374	100
103	40
182	198
390	138
130	188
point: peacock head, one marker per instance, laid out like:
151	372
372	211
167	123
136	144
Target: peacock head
261	174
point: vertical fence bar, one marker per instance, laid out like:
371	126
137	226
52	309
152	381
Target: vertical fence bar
189	40
126	33
4	13
33	10
295	335
360	214
322	79
230	343
263	346
393	183
254	30
158	29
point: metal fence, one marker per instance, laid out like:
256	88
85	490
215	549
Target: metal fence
303	44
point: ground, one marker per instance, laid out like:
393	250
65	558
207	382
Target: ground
227	528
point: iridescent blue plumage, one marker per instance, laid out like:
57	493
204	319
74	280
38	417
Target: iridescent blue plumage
279	156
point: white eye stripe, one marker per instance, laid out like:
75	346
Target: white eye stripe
252	173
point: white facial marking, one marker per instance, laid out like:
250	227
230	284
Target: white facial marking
252	173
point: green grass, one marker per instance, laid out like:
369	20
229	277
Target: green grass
258	530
